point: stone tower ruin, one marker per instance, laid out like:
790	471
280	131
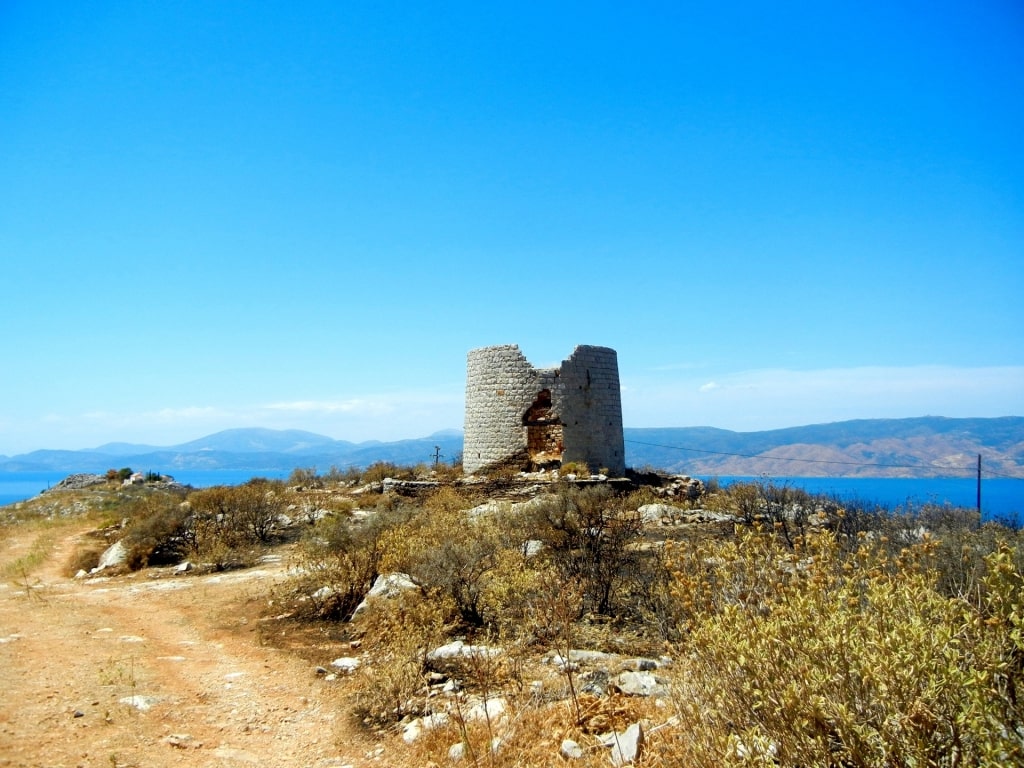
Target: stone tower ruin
543	416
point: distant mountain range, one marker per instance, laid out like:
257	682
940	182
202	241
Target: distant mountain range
929	446
259	450
918	447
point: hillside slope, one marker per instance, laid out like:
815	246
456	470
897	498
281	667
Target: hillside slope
918	447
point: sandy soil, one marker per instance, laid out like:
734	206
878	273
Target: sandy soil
207	692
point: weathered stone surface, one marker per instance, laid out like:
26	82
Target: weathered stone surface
182	741
114	555
640	684
627	746
654	514
387	585
141	703
572	413
570	750
577	657
407	487
457	649
78	482
490	710
346	664
417	727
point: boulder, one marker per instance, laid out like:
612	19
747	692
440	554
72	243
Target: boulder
457	649
640	684
627	746
346	664
656	514
387	585
570	750
78	482
114	555
417	727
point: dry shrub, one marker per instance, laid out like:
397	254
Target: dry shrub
85	557
159	530
530	733
804	657
344	556
400	632
379	471
443	547
588	536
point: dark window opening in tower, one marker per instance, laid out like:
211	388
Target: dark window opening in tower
543	431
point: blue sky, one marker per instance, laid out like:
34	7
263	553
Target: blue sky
303	215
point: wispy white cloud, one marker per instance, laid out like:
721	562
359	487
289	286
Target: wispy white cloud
387	416
376	405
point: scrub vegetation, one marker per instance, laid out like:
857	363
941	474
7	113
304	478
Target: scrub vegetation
787	629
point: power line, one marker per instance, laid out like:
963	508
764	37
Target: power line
1000	474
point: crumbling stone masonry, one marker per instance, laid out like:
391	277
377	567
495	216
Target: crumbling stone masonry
572	413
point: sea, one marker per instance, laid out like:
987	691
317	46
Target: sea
1001	498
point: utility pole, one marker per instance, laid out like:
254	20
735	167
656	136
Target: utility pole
979	484
437	460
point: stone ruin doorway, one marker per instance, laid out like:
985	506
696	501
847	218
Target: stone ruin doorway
543	432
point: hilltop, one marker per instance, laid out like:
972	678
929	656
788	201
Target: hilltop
655	621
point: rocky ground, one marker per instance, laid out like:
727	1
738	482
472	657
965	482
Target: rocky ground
156	670
164	667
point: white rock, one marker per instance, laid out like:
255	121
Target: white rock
415	728
626	746
458	649
570	750
654	513
640	684
387	585
114	555
490	711
141	703
346	664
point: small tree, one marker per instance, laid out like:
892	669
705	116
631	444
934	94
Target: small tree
587	534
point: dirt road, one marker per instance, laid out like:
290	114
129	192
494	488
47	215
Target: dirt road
136	671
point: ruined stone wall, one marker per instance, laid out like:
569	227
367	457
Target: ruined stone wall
507	413
590	406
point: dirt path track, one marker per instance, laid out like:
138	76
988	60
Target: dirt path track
206	693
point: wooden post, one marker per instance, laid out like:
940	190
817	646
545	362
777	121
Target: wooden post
979	484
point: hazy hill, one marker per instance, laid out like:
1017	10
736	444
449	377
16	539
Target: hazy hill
259	450
917	447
